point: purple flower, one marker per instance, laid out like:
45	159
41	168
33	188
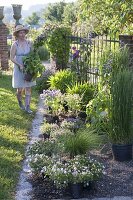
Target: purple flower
76	54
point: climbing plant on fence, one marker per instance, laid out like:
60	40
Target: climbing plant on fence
56	38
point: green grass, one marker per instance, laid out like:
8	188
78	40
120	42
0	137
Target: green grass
14	128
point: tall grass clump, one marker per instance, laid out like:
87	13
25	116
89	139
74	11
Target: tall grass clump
121	107
82	141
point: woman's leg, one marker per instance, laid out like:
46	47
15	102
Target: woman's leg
19	98
27	99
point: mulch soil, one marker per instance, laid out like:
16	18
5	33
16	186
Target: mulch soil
117	181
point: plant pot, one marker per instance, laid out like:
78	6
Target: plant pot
122	152
76	190
28	77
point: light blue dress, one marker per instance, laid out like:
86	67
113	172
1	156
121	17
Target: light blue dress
18	76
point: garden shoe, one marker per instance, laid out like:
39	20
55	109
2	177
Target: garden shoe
28	110
21	106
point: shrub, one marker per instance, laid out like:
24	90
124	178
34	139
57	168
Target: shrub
97	111
43	53
73	101
55	42
42	82
48	128
62	79
43	147
85	90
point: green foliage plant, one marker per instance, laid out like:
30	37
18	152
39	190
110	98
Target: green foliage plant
107	16
86	90
97	111
121	108
42	82
62	79
48	128
77	144
58	44
32	64
111	62
73	102
53	99
47	148
43	53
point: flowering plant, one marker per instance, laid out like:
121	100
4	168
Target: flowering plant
48	128
73	102
38	161
75	54
53	99
81	169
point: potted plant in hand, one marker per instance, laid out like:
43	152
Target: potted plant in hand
121	134
32	66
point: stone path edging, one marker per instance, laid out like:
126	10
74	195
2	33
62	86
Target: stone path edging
24	187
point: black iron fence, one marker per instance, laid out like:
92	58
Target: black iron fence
86	52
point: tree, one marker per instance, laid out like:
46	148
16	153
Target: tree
54	12
107	15
70	14
33	19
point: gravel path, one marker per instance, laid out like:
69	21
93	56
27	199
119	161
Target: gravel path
24	187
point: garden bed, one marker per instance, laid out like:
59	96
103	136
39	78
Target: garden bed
118	181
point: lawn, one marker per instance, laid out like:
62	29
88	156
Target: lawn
14	128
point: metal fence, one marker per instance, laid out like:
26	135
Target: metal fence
86	52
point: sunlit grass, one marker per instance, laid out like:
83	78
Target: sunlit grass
14	128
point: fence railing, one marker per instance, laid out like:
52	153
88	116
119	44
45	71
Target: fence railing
86	52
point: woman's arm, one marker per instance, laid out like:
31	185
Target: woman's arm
12	56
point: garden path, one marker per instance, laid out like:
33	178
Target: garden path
24	187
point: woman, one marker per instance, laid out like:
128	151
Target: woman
20	48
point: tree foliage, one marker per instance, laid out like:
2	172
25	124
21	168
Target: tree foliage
61	12
108	15
70	14
54	12
33	19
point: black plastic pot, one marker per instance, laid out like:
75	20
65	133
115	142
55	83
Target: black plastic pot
76	190
28	77
122	152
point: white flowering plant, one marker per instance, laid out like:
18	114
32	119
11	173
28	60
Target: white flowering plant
80	169
38	162
48	128
54	100
73	102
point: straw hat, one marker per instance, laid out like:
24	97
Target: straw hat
20	28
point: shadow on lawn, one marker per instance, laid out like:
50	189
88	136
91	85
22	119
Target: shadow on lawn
10	144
